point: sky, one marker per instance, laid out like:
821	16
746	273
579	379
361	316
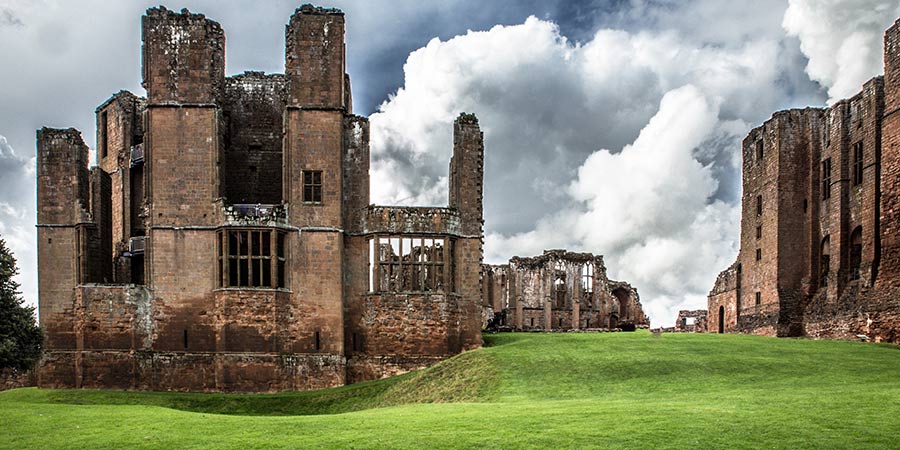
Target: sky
611	126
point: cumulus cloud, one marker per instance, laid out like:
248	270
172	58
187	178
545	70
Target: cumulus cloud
842	39
661	204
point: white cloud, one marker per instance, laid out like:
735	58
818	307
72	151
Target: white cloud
17	206
671	110
842	39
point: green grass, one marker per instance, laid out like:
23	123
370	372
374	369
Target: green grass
629	390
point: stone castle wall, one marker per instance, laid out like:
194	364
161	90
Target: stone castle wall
225	241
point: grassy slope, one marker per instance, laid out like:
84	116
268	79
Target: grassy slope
559	390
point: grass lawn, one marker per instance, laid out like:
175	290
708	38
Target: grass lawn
629	390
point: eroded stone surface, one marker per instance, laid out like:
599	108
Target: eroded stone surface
224	242
820	247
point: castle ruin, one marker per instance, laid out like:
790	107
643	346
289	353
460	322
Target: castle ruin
820	220
558	291
225	240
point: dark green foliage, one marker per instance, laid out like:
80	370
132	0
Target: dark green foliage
20	337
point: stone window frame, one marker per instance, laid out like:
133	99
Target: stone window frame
858	156
826	178
273	241
434	269
587	278
312	187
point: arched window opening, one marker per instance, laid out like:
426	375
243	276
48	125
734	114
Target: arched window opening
559	291
825	261
587	278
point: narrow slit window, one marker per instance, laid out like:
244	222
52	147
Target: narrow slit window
857	163
826	179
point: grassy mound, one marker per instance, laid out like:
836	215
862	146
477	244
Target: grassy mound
523	390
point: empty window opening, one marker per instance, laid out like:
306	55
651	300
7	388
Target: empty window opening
857	163
185	339
559	290
826	179
759	254
760	150
825	261
587	278
855	252
532	322
247	258
758	298
411	264
759	231
805	205
759	205
103	148
312	186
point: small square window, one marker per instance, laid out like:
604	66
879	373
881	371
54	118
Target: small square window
312	186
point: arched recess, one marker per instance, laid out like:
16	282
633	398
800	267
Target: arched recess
825	260
622	295
855	252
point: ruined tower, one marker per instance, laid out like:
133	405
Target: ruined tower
225	240
818	242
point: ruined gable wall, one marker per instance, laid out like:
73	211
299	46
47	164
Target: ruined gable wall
253	112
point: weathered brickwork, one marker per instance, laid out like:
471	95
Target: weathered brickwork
818	238
225	240
558	290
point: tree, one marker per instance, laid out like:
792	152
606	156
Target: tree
20	337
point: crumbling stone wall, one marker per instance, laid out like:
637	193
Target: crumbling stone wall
691	321
224	242
558	290
825	183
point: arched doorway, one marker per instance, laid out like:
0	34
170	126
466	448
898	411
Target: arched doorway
721	320
622	296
